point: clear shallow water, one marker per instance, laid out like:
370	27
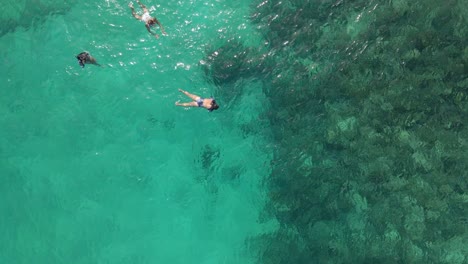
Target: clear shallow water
99	166
367	163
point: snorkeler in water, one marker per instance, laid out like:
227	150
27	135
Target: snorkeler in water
147	18
208	103
84	58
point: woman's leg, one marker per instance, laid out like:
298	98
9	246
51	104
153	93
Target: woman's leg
191	104
192	96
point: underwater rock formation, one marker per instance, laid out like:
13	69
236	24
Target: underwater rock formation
370	111
231	62
24	13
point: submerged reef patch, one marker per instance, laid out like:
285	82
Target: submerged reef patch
371	107
231	62
25	13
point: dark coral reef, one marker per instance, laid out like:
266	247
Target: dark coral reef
25	13
371	107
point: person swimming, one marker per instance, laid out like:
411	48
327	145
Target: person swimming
207	103
85	58
147	18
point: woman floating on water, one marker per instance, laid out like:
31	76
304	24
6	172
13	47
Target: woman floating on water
146	18
208	103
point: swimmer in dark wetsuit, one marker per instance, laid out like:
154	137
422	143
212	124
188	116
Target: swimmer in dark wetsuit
85	58
208	103
147	19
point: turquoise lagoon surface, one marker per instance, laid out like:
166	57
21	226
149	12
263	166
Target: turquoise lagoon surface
98	165
341	136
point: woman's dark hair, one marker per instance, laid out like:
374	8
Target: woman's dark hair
214	106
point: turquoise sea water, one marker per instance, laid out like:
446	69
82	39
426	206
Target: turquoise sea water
98	165
341	136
